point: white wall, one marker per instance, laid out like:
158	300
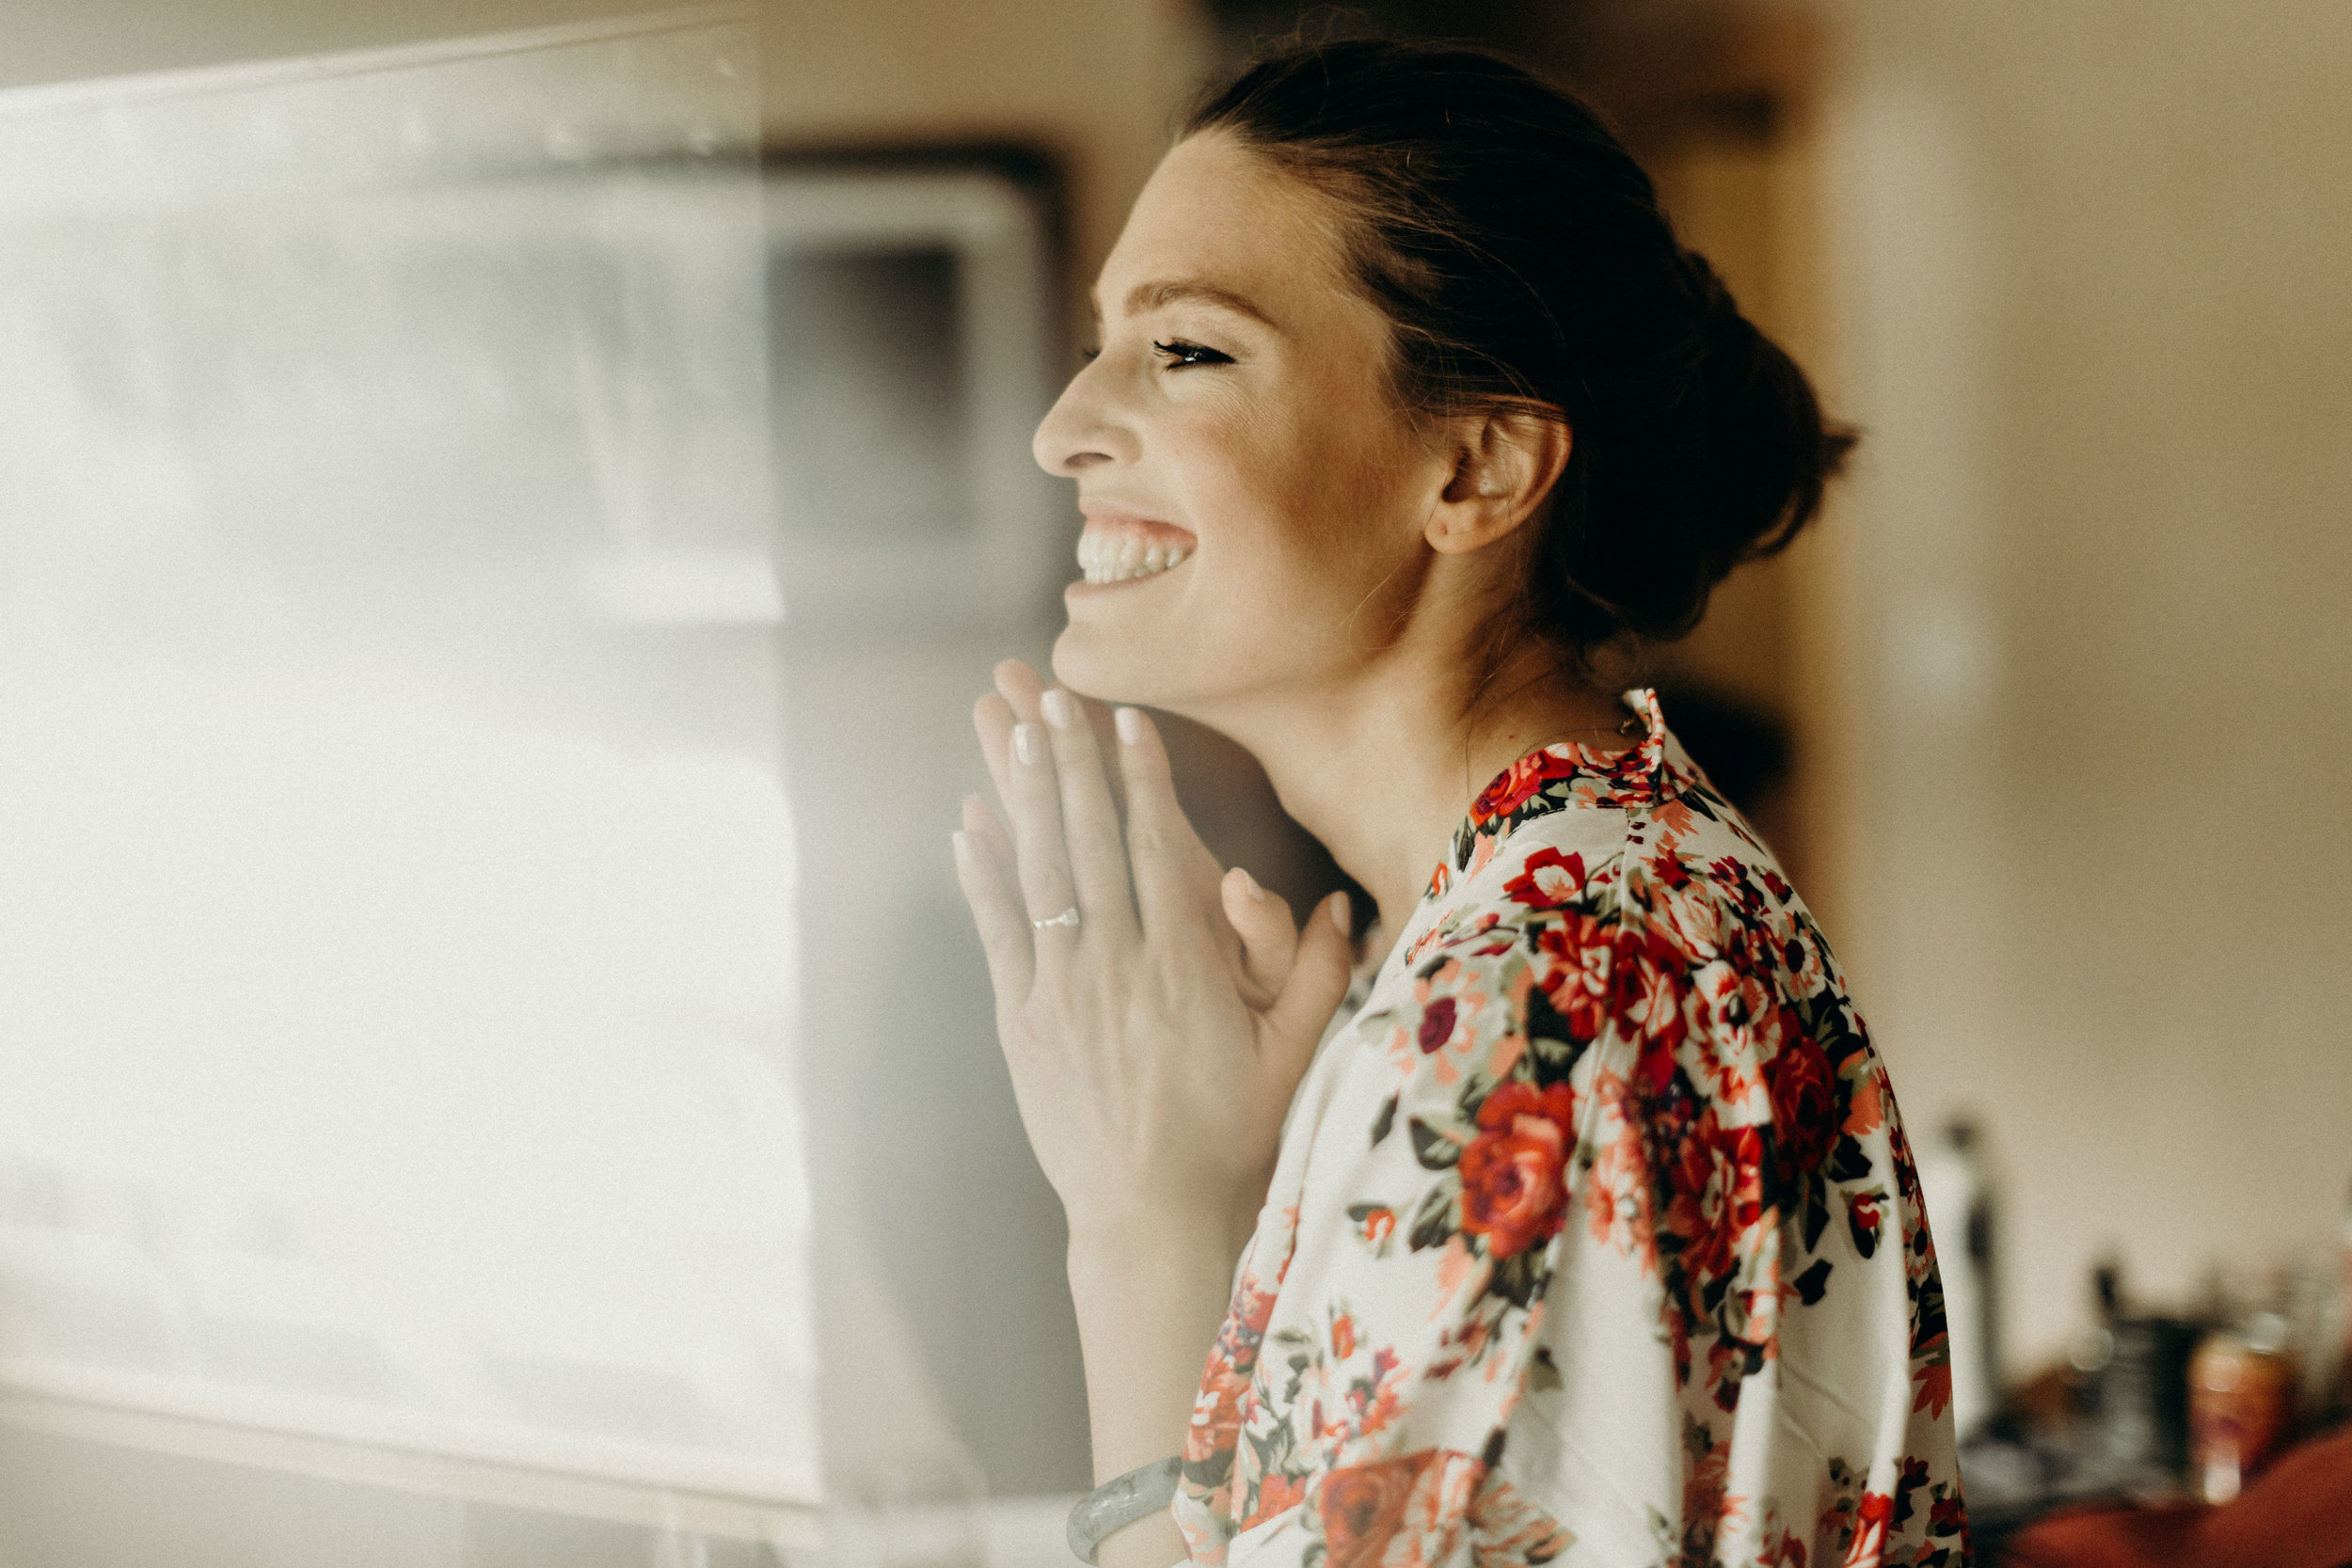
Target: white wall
2097	775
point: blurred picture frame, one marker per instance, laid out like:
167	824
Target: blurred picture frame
914	344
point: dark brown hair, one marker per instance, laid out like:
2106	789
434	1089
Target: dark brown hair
1522	258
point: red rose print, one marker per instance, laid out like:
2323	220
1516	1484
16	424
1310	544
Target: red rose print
1804	1104
1577	981
1216	1415
1649	979
1870	1531
1343	1335
1719	1197
1276	1493
1863	1218
1550	880
1363	1507
1519	785
1437	1025
1512	1192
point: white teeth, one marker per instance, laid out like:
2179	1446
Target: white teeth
1104	558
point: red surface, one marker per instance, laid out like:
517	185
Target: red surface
2295	1514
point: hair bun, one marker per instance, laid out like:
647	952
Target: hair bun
1772	453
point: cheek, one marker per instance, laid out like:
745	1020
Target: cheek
1298	505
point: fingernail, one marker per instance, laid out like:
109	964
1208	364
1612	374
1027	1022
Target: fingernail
1130	724
1059	710
1339	914
963	847
1024	742
1248	883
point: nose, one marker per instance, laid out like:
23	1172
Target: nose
1085	428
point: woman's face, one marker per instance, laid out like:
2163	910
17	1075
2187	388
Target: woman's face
1235	423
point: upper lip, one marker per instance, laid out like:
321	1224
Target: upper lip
1105	513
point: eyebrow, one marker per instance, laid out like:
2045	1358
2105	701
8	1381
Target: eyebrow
1151	296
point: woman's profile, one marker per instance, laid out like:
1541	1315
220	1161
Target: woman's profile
1570	1220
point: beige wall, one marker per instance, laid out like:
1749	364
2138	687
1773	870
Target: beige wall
1096	83
2097	776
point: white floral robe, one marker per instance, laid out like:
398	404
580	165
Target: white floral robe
1593	1237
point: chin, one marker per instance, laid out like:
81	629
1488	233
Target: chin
1093	662
1119	666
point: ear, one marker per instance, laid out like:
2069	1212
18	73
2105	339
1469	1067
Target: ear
1504	465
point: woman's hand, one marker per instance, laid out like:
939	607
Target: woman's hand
1154	1044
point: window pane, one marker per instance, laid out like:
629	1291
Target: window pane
396	966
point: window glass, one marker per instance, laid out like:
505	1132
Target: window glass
396	964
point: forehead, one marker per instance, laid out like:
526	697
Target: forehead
1215	214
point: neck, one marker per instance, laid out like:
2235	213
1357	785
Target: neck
1382	763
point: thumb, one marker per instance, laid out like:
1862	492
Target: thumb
1317	983
1268	940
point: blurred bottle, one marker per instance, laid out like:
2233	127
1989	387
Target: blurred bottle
2315	1302
2242	1385
2134	1435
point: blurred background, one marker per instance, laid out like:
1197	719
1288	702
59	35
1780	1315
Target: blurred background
504	508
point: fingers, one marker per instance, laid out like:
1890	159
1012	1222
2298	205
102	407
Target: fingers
984	869
1161	846
994	717
1317	982
1033	800
1097	854
1269	942
1013	701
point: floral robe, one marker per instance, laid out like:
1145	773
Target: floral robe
1593	1237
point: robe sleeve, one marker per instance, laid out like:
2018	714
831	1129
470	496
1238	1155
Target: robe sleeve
1358	1416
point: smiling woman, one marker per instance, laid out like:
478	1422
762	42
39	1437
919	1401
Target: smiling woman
1568	1216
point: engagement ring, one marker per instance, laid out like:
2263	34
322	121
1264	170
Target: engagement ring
1068	917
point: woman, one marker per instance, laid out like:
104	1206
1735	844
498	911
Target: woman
1589	1235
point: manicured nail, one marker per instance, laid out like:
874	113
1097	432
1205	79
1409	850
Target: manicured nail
1248	883
1339	914
1060	711
1026	744
1130	724
963	847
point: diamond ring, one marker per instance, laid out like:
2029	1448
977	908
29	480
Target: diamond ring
1068	917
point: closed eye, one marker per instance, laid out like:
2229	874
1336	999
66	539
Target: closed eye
1191	353
1183	352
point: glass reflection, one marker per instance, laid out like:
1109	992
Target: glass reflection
396	973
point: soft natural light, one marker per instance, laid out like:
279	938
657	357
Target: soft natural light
396	969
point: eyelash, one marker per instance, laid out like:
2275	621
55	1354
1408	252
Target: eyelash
1180	348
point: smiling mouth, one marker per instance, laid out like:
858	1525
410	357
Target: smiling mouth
1123	555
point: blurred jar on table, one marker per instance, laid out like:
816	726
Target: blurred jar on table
2242	1386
